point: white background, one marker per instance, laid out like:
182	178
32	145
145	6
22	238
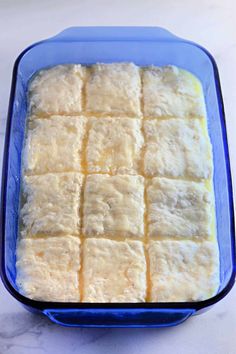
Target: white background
212	23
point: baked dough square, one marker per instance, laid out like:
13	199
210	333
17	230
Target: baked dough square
179	208
177	148
172	92
57	90
54	145
114	145
114	89
52	204
113	271
47	269
113	206
183	270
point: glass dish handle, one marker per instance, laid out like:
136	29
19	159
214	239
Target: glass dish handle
118	318
114	33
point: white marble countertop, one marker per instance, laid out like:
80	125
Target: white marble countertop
208	22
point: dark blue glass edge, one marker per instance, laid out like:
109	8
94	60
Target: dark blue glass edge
42	305
120	318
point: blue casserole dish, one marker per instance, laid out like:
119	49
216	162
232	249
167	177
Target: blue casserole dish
143	46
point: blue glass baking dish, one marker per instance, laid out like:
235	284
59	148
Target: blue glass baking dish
143	46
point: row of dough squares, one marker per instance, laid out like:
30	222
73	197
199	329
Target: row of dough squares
102	270
116	206
172	147
117	89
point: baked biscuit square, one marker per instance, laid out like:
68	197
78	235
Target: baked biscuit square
179	208
177	148
113	271
51	204
114	89
113	206
57	90
47	269
54	145
172	92
183	270
114	145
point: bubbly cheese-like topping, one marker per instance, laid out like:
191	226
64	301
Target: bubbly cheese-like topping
172	92
183	270
114	271
114	145
113	206
52	203
117	201
57	90
179	208
114	89
47	269
177	148
54	145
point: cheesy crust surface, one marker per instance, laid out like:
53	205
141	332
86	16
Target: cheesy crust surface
113	206
172	92
183	270
47	269
177	148
52	204
114	271
117	197
114	145
179	208
54	145
57	90
114	89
